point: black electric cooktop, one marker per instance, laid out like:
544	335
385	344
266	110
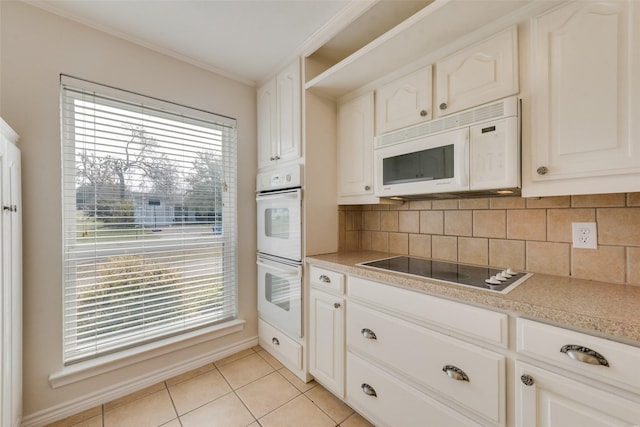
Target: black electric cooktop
468	275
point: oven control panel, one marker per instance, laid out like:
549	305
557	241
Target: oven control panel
287	177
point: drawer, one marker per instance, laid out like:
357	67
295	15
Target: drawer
425	355
478	323
394	403
547	344
278	343
326	279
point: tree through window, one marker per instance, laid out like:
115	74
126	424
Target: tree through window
149	219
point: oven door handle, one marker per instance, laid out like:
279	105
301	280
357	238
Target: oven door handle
288	271
281	195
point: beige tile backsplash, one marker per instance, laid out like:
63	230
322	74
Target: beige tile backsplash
530	234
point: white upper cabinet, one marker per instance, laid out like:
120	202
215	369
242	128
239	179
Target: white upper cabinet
279	118
267	123
355	149
481	73
585	132
404	102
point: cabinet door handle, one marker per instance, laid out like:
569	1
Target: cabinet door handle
443	106
542	170
423	113
12	208
368	390
367	187
368	334
275	341
584	355
324	278
336	305
527	380
455	373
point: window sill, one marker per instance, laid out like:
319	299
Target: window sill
91	368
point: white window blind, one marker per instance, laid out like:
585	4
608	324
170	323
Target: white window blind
149	200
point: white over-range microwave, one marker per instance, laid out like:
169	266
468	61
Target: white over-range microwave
474	152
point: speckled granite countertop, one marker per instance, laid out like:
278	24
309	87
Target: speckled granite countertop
603	309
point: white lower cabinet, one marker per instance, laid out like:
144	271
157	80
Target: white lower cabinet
404	358
574	379
463	372
545	399
404	369
326	329
387	401
326	336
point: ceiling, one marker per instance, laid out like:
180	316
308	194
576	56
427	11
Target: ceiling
244	39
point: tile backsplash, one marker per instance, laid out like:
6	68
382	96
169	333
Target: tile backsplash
529	234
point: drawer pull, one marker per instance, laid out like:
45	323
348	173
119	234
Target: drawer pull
368	390
368	334
584	355
325	279
336	305
275	341
455	373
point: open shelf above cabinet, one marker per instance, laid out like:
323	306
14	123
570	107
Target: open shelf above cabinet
430	29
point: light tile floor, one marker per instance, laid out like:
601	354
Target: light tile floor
250	388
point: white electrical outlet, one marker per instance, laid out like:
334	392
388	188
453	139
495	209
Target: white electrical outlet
585	235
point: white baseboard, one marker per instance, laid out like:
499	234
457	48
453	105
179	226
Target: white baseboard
99	397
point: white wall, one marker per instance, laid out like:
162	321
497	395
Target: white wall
35	47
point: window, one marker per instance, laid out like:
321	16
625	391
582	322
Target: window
149	200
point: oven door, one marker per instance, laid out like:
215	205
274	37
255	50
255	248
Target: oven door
280	295
280	224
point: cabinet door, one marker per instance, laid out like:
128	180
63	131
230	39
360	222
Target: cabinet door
545	399
479	74
288	98
586	103
10	283
326	336
355	147
404	102
267	124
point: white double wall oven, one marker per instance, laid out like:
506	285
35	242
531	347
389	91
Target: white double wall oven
279	258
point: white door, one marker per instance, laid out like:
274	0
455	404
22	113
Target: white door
326	340
10	284
478	74
587	101
355	146
545	399
280	295
288	97
280	224
404	102
267	124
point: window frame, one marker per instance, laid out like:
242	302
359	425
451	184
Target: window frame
159	107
